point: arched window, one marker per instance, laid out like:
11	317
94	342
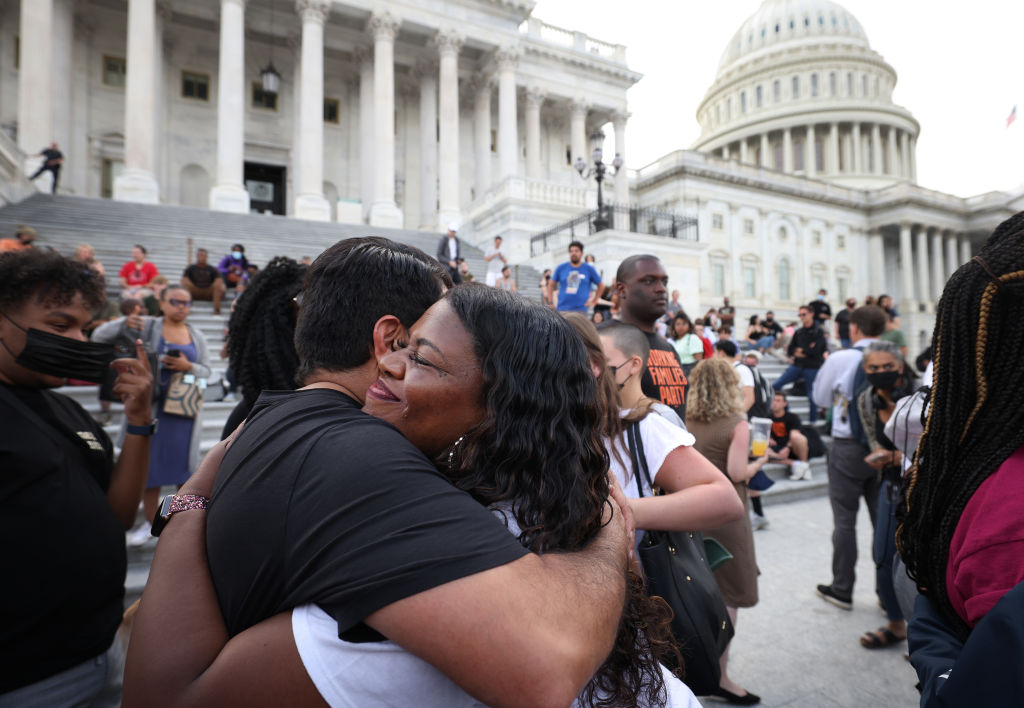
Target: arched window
743	101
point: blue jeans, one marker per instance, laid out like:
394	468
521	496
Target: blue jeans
792	373
885	550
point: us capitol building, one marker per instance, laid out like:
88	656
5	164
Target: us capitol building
413	114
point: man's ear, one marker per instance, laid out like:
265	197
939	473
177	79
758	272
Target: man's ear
620	288
636	365
385	331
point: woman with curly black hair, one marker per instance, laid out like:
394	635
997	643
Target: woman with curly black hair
498	391
261	350
962	537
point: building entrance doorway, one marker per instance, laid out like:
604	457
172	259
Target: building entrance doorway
265	184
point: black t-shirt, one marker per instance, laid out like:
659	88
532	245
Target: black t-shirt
317	501
782	426
63	546
812	341
843	323
821	309
663	378
202	276
772	327
51	155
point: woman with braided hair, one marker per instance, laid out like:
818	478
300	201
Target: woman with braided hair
962	536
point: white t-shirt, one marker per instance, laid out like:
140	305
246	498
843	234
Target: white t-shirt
659	437
453	249
384	675
495	264
746	377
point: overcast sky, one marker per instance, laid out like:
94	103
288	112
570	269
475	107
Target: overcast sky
960	70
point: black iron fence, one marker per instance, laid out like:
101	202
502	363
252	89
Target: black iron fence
652	222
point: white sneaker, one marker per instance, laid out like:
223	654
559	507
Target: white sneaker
140	535
758	522
801	470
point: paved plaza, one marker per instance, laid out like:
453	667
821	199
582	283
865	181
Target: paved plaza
795	650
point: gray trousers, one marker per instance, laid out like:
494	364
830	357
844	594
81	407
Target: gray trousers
849	479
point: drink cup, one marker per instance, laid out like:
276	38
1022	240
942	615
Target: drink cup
760	428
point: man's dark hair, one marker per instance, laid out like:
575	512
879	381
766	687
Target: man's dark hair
577	244
48	277
628	266
349	287
129	305
727	347
238	247
202	250
141	248
627	339
783	394
870	320
172	287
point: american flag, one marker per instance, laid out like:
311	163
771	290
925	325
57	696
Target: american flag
1012	117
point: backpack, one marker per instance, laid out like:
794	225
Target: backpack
763	393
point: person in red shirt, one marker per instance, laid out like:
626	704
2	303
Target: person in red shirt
698	329
136	274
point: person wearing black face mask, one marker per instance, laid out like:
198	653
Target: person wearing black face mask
62	496
890	379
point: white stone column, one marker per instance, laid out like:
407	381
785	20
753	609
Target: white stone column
833	149
924	288
893	162
965	248
912	158
137	183
383	210
952	254
309	189
448	45
35	80
787	150
809	152
426	74
228	192
578	130
364	60
858	153
621	180
938	271
905	155
876	262
744	151
909	303
725	152
63	73
876	148
765	153
481	87
534	101
507	60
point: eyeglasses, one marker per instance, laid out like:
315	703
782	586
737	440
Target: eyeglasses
175	302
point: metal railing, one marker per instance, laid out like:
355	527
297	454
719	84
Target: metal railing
652	222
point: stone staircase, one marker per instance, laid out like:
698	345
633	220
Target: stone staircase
172	233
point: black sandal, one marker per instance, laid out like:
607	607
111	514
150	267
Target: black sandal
883	637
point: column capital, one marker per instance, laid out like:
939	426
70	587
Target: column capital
535	97
234	2
481	85
619	118
578	107
448	42
506	58
164	10
313	10
424	69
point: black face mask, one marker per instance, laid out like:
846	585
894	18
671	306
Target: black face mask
884	380
64	357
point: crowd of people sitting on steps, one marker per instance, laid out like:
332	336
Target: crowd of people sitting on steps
336	379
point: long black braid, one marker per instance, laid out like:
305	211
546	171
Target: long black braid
260	334
975	420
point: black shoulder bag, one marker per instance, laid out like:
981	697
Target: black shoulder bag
677	571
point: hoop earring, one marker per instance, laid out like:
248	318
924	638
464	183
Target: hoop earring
451	453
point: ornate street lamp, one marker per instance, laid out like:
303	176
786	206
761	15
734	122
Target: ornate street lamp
269	77
601	221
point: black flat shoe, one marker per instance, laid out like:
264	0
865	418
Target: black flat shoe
748	699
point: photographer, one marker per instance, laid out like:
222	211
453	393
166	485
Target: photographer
64	501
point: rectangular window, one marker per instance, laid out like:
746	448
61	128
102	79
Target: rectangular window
841	242
195	86
718	114
494	141
716	221
819	156
749	281
263	99
816	238
778	156
849	84
832	88
843	288
814	84
760	96
743	101
718	278
114	69
796	87
798	155
784	281
864	85
109	172
818	281
331	110
777	91
748	226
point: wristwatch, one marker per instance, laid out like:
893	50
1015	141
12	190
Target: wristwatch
172	504
141	429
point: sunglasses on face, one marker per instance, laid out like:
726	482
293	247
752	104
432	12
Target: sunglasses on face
179	303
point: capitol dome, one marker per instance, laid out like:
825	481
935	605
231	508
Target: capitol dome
800	90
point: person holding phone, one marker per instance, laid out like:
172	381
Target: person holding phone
180	347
